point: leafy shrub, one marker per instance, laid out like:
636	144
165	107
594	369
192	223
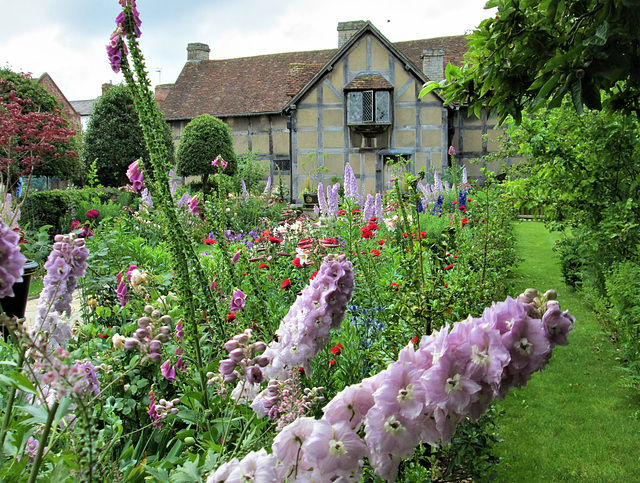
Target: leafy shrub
571	263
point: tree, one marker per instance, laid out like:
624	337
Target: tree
203	139
59	159
534	53
114	137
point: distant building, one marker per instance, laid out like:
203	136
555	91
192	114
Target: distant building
356	104
66	107
85	108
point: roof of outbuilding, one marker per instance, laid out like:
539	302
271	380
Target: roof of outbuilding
265	83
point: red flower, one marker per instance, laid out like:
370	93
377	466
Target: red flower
313	275
463	209
305	242
469	199
329	242
332	362
273	239
464	221
395	286
375	253
372	226
355	210
404	235
367	234
231	317
448	267
446	285
380	242
285	284
91	214
423	234
415	340
296	262
373	219
337	349
264	265
210	241
342	212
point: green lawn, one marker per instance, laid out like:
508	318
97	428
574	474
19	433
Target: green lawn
571	423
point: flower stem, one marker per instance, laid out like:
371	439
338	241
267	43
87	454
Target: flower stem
43	440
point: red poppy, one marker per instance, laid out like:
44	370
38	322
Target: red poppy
313	275
273	239
231	317
380	242
372	226
404	235
332	362
469	199
342	212
373	219
264	265
337	349
355	210
446	285
103	336
463	209
415	340
423	234
367	234
395	286
285	284
375	253
210	241
448	267
301	369
464	221
296	262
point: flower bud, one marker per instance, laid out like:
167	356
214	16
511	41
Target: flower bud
227	366
259	347
231	377
262	361
155	345
163	338
242	339
118	341
148	309
550	295
230	345
156	314
237	354
155	358
141	334
130	343
165	330
143	322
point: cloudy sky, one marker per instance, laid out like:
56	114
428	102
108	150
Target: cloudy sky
66	38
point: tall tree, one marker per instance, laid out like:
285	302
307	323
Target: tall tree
534	53
114	137
203	139
60	158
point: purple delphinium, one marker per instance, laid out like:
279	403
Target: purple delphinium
65	264
420	398
351	191
245	193
305	329
322	201
267	188
379	210
368	211
11	260
333	200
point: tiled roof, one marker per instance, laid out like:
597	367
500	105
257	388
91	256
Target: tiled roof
84	108
265	83
368	81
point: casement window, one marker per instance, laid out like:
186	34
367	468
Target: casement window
368	107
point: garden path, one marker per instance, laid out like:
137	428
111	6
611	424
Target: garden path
32	309
573	422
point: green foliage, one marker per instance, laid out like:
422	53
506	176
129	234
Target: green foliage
203	139
534	54
56	208
114	138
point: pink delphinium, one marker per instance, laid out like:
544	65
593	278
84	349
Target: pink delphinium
11	260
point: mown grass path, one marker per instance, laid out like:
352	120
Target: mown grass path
571	423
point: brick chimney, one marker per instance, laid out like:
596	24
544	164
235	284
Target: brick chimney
433	64
197	52
346	30
162	91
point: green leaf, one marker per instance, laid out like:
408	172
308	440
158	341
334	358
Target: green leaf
576	96
189	473
550	85
429	87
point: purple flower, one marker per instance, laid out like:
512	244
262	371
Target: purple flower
237	301
193	206
116	49
123	293
558	323
168	371
236	257
351	404
135	176
11	260
334	449
256	466
350	185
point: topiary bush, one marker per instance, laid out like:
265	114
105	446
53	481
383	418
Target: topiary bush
203	139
